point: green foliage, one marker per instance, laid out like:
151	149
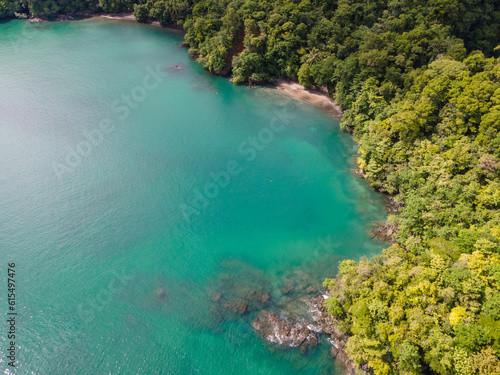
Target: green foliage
486	362
141	12
340	46
457	314
421	95
492	307
436	149
410	358
9	8
115	6
167	11
463	362
409	312
334	307
471	337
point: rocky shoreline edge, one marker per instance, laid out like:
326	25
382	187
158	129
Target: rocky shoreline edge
285	310
329	326
305	334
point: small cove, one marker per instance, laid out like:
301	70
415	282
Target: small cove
122	261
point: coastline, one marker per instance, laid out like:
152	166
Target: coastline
128	17
123	16
319	99
316	98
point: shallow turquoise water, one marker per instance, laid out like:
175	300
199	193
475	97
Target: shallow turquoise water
116	251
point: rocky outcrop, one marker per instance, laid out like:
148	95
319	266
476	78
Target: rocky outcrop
290	316
394	206
160	293
385	231
237	306
329	326
281	331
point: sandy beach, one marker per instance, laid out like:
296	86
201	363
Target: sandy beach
315	98
125	17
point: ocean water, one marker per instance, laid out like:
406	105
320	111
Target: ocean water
140	197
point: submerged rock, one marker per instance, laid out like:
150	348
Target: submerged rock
239	289
300	283
281	331
160	293
237	306
287	287
264	297
216	296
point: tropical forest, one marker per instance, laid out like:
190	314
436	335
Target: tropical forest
418	83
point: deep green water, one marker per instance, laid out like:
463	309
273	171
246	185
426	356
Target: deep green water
115	260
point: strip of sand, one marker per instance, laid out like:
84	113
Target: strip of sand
315	98
125	17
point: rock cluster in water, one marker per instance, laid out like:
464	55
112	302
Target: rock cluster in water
238	290
288	315
278	330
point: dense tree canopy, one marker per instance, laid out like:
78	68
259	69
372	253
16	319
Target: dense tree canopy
431	303
420	85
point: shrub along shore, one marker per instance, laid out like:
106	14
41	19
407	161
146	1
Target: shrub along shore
419	85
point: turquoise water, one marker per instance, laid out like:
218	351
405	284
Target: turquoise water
135	187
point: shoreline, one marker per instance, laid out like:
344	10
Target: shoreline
123	16
129	17
319	99
316	98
